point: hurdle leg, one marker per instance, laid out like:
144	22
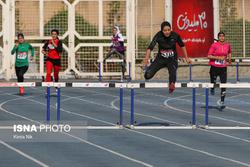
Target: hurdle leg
106	66
207	101
194	107
132	114
48	104
121	107
129	72
190	73
237	72
100	72
58	104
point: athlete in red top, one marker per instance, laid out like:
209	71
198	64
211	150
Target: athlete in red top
53	48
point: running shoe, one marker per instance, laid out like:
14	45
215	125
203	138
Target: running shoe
171	87
21	91
222	105
212	92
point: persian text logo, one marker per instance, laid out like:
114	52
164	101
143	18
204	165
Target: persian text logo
192	24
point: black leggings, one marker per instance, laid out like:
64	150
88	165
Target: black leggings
20	71
159	63
222	73
121	56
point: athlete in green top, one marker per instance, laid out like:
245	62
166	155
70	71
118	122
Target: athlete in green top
21	50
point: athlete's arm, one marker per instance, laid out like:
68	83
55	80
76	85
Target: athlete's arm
230	58
14	49
45	47
150	48
184	51
59	48
32	50
230	55
53	43
216	57
212	51
146	58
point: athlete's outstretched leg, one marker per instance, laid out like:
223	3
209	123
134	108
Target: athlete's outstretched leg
49	67
110	53
172	70
223	79
123	64
213	77
56	73
151	70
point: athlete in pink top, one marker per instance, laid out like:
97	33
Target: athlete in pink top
219	52
219	56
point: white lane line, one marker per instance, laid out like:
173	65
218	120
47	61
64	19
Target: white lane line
190	148
229	108
12	148
24	154
75	97
144	115
233	109
228	127
188	112
161	127
226	135
180	110
73	113
214	132
246	94
112	106
87	142
19	98
112	152
218	133
115	108
230	97
211	116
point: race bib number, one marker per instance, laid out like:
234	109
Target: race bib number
167	53
22	55
220	62
116	44
50	46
